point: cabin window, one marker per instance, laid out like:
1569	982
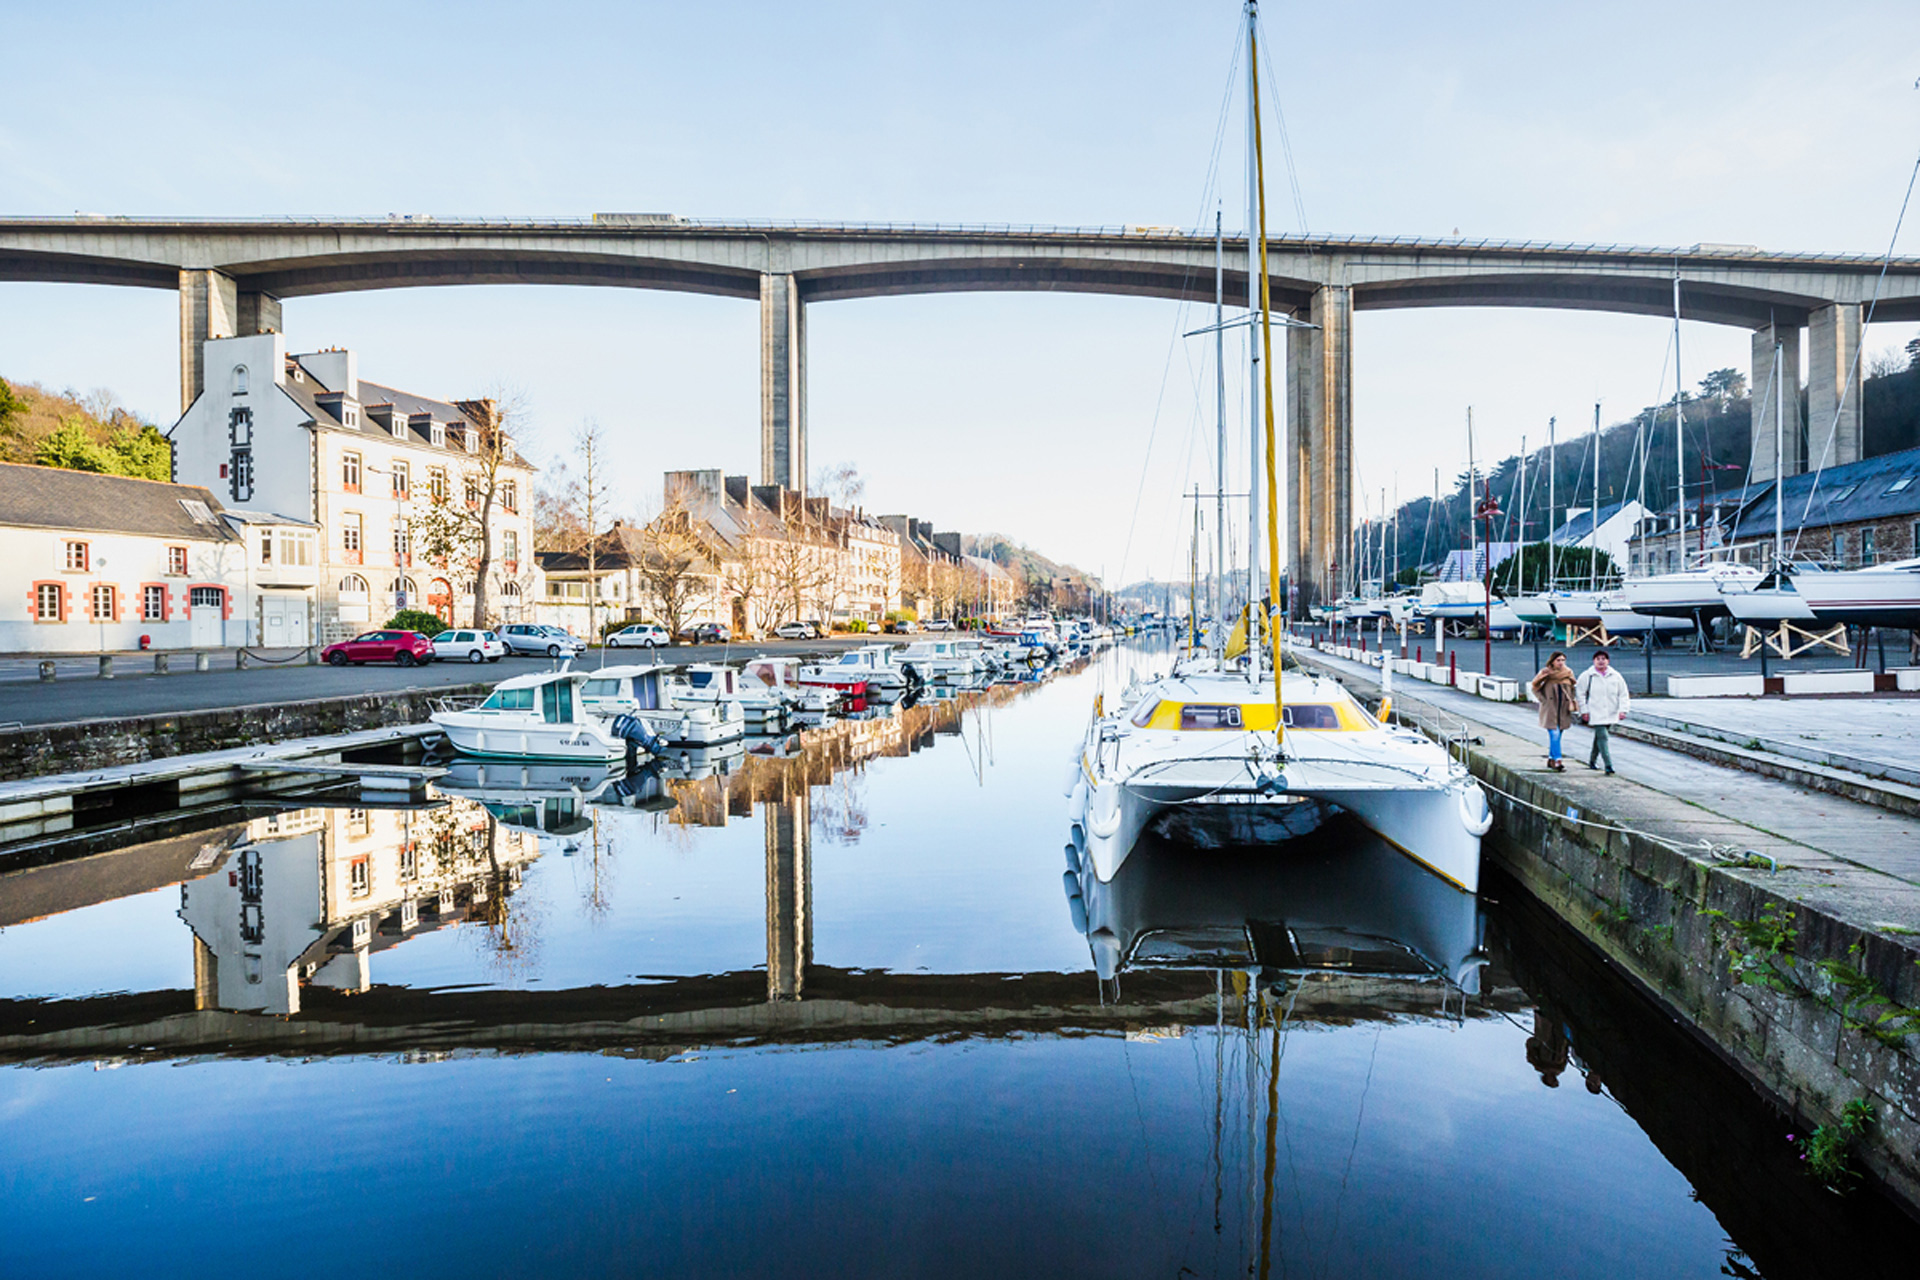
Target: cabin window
646	691
1309	716
1144	712
556	702
601	689
1204	716
510	700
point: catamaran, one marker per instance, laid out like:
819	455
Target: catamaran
1218	735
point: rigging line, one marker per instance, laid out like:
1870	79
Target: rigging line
1286	143
1339	1200
1859	348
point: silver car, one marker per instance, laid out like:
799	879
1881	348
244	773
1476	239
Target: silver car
532	637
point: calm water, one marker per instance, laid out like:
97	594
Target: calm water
837	1012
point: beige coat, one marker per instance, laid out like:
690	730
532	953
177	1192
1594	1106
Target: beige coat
1558	702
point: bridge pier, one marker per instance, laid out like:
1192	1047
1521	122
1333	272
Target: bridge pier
1792	463
783	382
789	836
1833	413
1319	452
212	305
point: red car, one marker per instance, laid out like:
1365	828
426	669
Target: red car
403	647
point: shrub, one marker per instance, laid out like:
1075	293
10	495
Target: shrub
857	626
427	624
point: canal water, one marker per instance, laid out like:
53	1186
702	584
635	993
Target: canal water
838	1006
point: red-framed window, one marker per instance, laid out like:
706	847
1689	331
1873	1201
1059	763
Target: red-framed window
177	561
47	602
153	602
79	557
105	601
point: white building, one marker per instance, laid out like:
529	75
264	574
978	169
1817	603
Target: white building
303	438
1618	522
95	562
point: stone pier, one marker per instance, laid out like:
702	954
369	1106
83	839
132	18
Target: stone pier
783	382
1833	394
212	305
1319	451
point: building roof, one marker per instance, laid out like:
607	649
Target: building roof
83	501
1580	527
306	390
1882	488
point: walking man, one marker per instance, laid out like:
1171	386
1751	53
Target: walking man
1603	703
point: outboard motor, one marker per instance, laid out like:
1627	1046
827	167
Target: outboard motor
914	679
634	731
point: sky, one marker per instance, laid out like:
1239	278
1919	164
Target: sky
1070	422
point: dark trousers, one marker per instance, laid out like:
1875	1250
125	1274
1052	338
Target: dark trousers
1601	749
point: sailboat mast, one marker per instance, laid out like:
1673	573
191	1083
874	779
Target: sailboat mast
1679	428
1520	507
1266	351
1473	485
1220	420
1593	517
1253	352
1779	450
1553	460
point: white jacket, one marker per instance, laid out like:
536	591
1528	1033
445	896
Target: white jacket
1604	698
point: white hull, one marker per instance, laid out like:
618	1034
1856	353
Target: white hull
1689	593
1886	596
499	739
1766	607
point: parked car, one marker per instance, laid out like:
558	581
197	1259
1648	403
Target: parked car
474	646
643	635
532	637
939	624
706	633
903	626
797	631
406	648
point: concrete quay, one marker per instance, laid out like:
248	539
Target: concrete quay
1687	876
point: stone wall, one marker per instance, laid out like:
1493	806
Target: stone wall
92	744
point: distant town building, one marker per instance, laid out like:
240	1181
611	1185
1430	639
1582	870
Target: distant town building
1618	522
374	469
97	562
1860	514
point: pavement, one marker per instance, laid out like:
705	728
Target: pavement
1850	832
78	693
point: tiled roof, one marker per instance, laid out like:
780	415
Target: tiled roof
1882	488
54	498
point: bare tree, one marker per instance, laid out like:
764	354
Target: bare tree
457	526
795	571
840	483
747	576
594	493
557	522
674	566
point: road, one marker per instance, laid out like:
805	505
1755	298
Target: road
77	693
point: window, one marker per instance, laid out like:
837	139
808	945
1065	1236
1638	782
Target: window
510	495
1195	716
350	534
106	603
350	472
397	425
401	543
50	602
239	379
266	546
510	546
437	432
437	484
353	584
1866	547
399	479
296	546
177	561
359	877
1297	715
473	493
209	598
1901	485
1845	492
77	557
1839	548
409	862
153	604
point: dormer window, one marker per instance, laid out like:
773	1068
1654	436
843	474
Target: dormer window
239	379
353	418
472	437
437	431
397	426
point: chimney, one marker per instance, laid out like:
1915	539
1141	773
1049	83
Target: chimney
336	370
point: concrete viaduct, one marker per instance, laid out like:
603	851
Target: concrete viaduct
233	274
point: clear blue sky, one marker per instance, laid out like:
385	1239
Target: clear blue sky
1771	124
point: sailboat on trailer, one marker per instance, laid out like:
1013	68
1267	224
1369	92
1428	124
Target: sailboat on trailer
1238	739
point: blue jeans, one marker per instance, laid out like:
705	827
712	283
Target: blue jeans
1553	743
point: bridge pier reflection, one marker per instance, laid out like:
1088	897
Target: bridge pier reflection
789	834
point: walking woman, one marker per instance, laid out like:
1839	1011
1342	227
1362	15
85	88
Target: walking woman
1554	689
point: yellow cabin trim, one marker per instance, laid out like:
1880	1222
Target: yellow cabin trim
1258	716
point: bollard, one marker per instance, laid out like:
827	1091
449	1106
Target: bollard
203	662
240	659
46	670
1453	670
1419	653
313	656
159	664
1647	644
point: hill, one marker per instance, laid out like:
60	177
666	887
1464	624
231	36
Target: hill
90	433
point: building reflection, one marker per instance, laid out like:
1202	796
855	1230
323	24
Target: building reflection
307	897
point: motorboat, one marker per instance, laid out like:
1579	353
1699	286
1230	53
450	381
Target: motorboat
1766	603
647	693
1617	618
870	666
1541	608
778	679
540	716
710	684
1886	595
1210	739
1454	601
937	659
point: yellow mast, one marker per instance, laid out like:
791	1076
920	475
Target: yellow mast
1266	341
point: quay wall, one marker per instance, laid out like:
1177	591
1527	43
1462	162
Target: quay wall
93	744
1630	870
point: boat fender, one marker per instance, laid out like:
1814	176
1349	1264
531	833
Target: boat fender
1475	815
1103	829
1076	905
1073	858
1073	775
1106	954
